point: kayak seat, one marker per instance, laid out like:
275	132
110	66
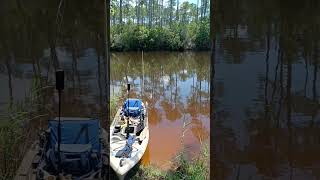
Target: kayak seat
132	108
80	148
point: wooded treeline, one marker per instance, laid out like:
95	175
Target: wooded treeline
159	25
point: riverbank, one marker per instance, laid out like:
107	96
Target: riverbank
195	169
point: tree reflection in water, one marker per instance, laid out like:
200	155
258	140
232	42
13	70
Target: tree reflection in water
175	85
274	119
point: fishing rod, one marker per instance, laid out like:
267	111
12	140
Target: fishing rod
59	87
128	112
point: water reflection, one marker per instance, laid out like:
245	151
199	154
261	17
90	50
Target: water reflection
267	91
37	37
176	87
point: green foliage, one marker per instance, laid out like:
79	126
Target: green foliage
202	35
12	139
15	132
168	25
131	37
198	169
114	101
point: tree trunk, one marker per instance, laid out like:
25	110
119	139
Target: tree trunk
120	17
150	13
267	77
137	13
161	14
177	12
197	11
315	71
171	8
9	82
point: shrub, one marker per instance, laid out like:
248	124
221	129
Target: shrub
132	37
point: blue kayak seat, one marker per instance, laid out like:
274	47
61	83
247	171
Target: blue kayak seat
80	148
132	107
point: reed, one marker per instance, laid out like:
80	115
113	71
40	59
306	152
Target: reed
15	134
197	169
116	101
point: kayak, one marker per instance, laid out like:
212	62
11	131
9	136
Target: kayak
129	136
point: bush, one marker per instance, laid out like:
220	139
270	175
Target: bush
132	37
202	36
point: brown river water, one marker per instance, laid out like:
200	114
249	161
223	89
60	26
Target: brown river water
176	87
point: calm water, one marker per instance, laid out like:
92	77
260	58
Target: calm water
176	87
35	41
267	86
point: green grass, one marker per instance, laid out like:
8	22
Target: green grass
15	133
114	102
12	138
197	169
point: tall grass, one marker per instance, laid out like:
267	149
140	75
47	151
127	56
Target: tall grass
15	134
116	101
197	169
